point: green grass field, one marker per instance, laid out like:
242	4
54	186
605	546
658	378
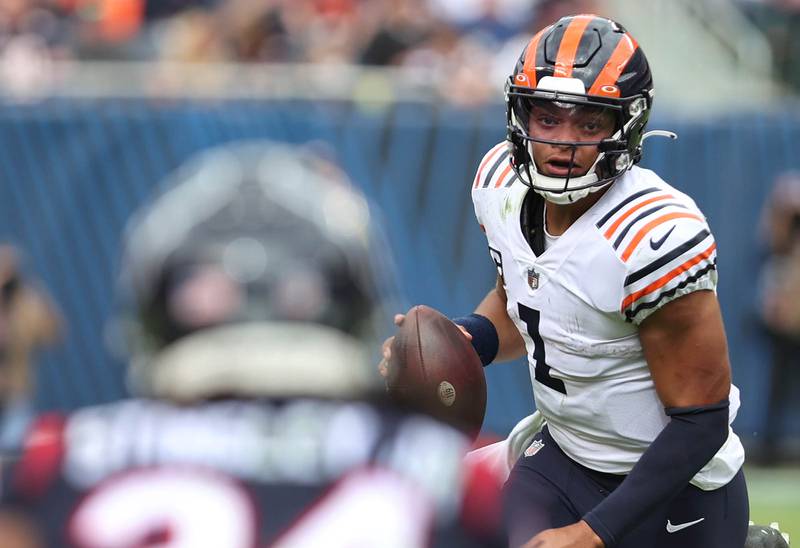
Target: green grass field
775	496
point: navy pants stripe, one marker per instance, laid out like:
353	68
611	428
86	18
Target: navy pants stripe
548	489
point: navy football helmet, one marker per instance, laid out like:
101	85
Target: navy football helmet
257	270
585	65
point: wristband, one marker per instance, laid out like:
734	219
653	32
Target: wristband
484	336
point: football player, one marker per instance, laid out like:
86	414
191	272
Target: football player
607	281
253	285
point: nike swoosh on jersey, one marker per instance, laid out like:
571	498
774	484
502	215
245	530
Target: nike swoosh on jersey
658	243
675	528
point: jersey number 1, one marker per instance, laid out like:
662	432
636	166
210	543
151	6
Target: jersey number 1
531	319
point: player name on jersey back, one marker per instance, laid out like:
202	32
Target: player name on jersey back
302	442
288	474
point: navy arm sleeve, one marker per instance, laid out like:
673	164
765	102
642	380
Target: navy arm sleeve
690	439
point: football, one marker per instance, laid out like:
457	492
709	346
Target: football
433	366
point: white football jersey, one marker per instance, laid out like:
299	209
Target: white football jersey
578	306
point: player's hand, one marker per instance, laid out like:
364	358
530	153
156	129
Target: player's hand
466	333
386	351
577	535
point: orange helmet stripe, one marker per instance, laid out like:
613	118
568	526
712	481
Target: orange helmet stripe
529	67
569	45
615	65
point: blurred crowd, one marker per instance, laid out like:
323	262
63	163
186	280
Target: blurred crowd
375	32
779	303
779	20
465	39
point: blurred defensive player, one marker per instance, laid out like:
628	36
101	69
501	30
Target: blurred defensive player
607	281
254	287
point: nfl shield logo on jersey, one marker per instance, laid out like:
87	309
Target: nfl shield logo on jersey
534	448
533	278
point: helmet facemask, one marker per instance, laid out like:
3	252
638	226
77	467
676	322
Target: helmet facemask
618	144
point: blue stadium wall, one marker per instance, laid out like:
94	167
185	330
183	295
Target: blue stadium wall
72	172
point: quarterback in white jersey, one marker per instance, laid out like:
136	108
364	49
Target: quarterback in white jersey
607	281
579	304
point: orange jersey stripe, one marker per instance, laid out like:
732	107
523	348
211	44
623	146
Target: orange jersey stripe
632	210
615	65
664	280
503	175
651	225
484	162
569	45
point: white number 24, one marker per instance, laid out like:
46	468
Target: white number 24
182	508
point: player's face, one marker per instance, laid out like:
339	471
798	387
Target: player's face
568	124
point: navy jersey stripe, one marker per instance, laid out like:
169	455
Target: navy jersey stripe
631	313
641	216
661	261
513	180
494	168
622	204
